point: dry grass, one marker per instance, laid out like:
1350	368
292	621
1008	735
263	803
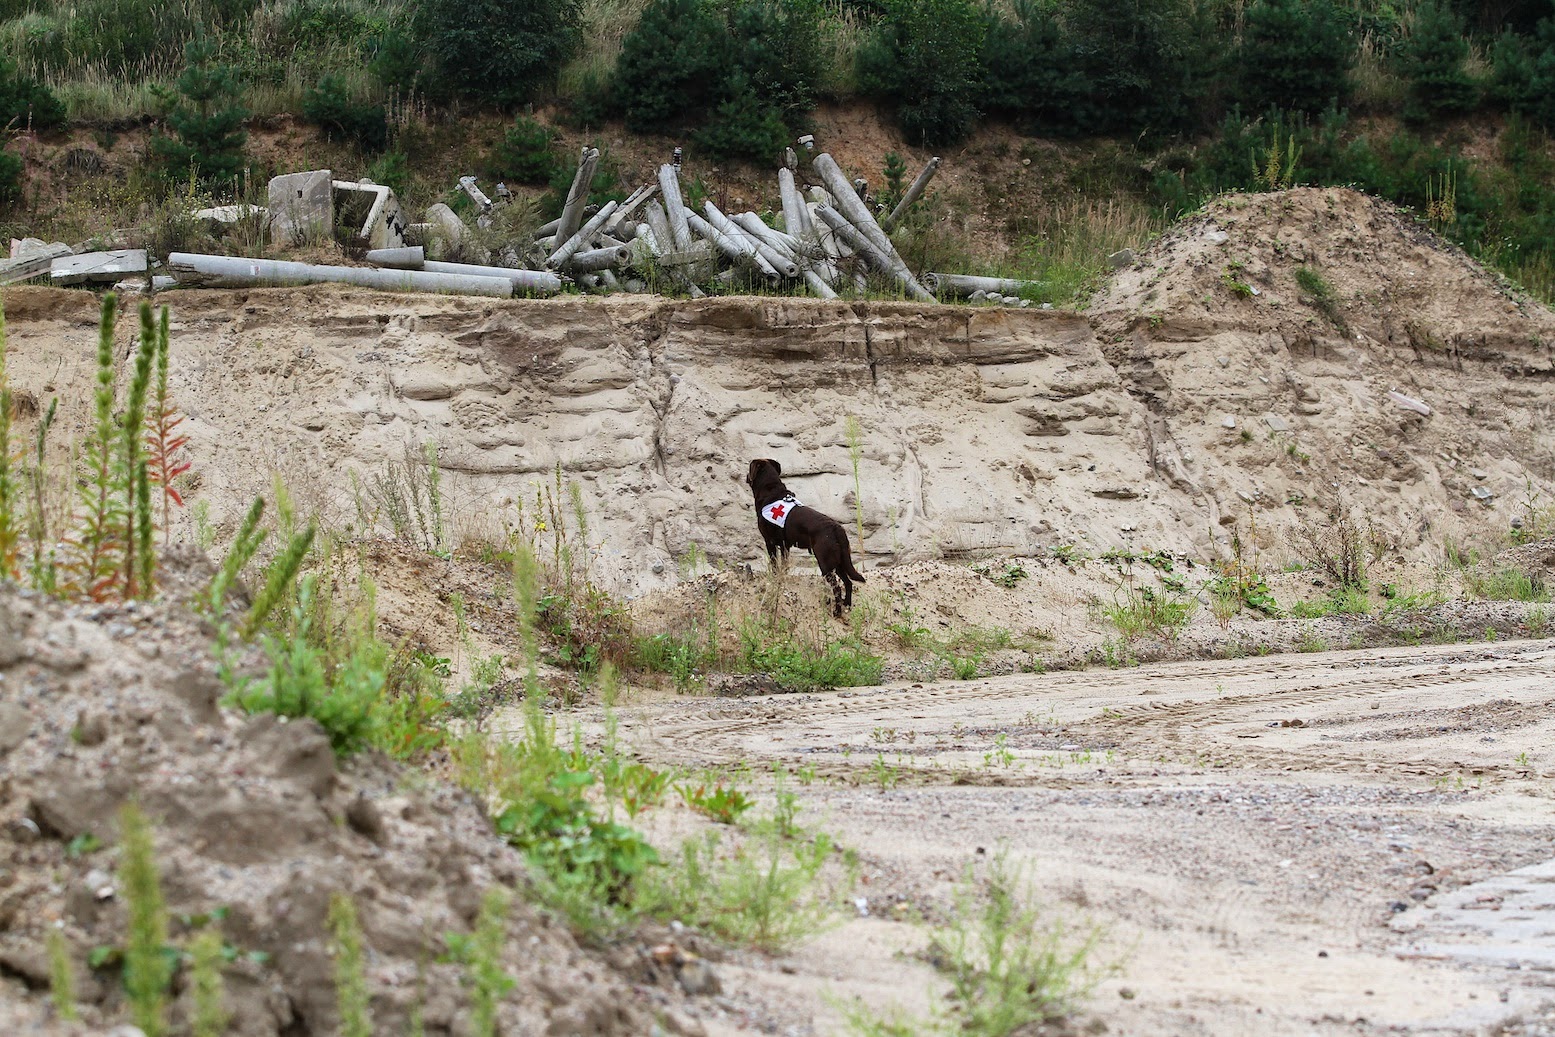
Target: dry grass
605	24
1377	86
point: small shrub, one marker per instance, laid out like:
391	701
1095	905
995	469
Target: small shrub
1137	610
770	895
11	169
672	65
746	127
803	667
1334	545
722	804
25	102
1432	60
344	696
1010	969
525	154
485	49
1006	574
329	105
1295	55
1321	294
923	58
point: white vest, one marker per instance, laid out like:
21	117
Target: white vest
778	511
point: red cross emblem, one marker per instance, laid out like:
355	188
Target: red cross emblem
777	511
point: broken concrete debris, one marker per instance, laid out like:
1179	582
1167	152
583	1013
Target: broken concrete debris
1409	403
106	267
31	257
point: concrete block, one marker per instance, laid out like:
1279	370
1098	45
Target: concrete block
302	206
98	266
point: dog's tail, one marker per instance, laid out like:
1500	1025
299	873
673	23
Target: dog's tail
847	554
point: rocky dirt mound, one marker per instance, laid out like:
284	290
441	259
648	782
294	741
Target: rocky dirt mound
101	705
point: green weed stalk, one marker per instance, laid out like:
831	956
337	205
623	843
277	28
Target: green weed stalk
132	446
239	553
146	555
205	962
526	597
147	968
279	577
97	540
855	437
43	574
164	443
351	1000
488	982
62	977
9	527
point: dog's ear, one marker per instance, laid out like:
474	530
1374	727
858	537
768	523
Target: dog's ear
777	469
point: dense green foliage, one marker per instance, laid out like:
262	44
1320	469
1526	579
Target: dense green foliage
524	155
744	73
1433	63
24	101
495	52
331	106
1295	55
923	59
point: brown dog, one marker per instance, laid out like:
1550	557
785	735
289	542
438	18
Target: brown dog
784	523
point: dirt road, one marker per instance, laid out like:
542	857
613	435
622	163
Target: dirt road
1281	845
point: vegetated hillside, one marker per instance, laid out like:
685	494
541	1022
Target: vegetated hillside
1124	114
1212	390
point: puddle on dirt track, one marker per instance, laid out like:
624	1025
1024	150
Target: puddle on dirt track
1251	835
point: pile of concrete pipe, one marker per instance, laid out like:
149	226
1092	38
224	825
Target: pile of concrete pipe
827	242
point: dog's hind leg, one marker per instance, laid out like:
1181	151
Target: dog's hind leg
835	583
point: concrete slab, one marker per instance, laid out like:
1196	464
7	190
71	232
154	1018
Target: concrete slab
1508	921
98	266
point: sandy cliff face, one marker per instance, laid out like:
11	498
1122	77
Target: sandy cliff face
1177	408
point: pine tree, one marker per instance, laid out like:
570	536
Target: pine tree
206	113
924	59
1295	55
672	65
1432	63
497	51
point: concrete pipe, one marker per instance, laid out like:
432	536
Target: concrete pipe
539	282
674	207
237	272
780	260
411	257
581	238
577	194
913	194
596	259
963	285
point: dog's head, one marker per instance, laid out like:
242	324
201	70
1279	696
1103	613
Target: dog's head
760	467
